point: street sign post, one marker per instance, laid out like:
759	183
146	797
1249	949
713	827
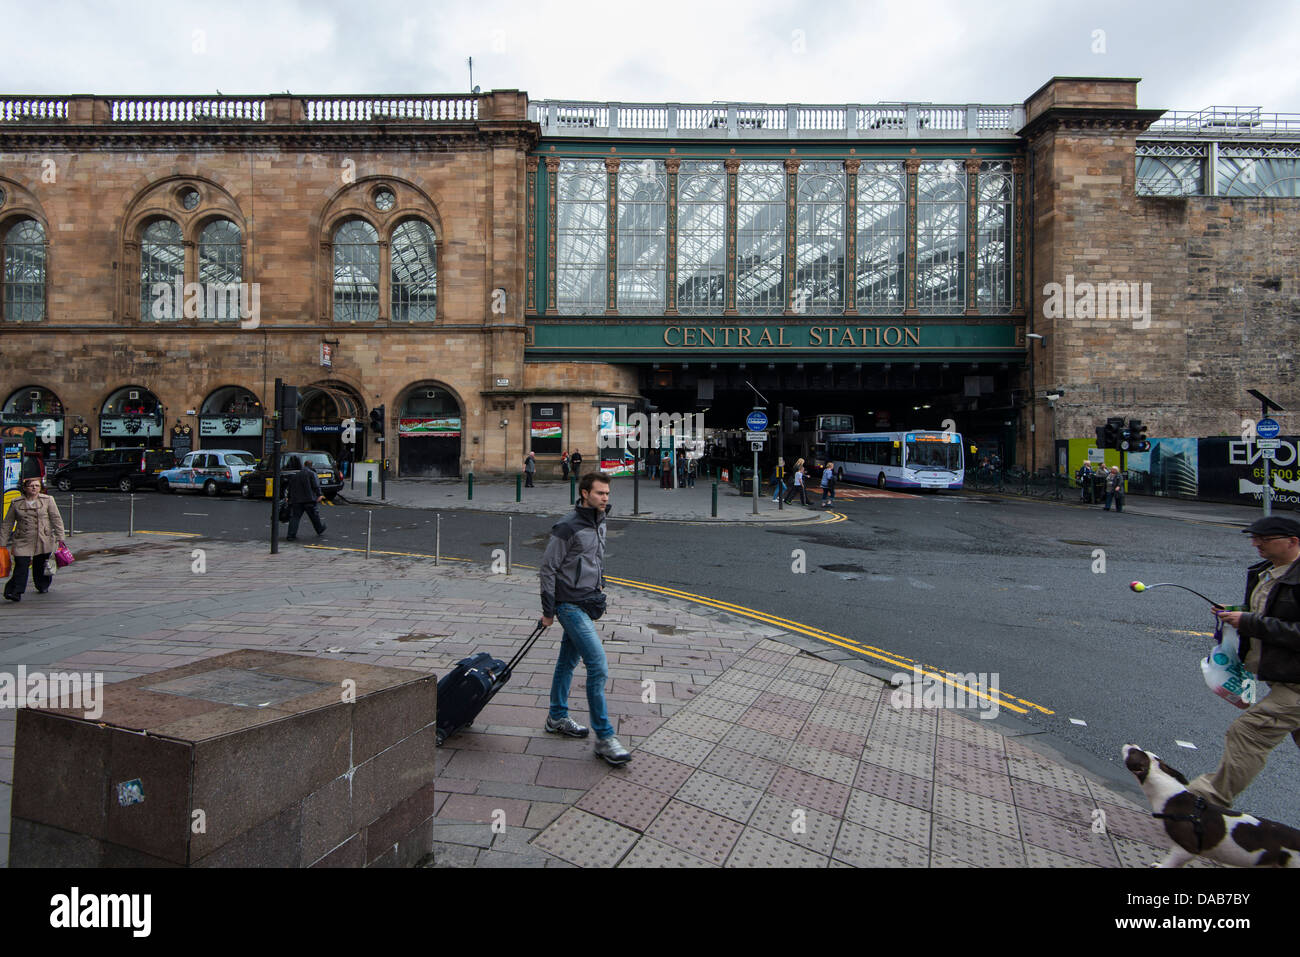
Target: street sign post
1265	429
756	421
756	437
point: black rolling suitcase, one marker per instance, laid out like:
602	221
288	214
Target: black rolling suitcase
465	691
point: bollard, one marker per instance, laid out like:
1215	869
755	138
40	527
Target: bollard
72	512
130	528
369	520
437	539
370	483
471	486
519	485
510	541
573	484
715	498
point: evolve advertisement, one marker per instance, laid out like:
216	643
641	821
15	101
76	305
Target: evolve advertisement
1232	470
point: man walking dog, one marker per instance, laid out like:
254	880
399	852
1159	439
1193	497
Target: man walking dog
1270	648
572	573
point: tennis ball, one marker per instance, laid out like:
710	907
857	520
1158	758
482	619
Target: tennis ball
1137	586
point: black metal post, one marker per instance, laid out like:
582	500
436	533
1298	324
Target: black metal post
277	441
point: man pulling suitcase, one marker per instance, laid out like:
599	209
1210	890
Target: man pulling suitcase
572	573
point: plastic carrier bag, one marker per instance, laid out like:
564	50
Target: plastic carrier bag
1224	672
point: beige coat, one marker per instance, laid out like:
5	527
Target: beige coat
32	528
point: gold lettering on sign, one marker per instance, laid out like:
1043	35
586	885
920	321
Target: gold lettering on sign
898	335
847	338
913	334
707	335
726	335
688	338
781	337
766	337
815	335
743	337
669	331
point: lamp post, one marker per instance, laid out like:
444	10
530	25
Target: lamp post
1033	407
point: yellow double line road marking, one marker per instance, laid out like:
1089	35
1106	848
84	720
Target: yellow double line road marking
902	662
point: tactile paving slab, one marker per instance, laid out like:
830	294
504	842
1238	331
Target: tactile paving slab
757	848
783	704
676	746
990	784
655	772
1041	857
586	840
730	692
719	708
720	795
895	785
651	853
623	802
850	704
863	847
815	665
1074	840
758	743
771	722
1066	805
697	725
970	755
841	720
976	809
1138	854
831	739
972	732
795	822
903	821
910	739
797	689
747	769
696	831
765	668
1136	825
824	764
1053	776
900	759
809	790
974	845
744	679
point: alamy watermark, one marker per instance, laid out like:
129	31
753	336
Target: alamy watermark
922	689
644	430
76	691
208	300
1098	300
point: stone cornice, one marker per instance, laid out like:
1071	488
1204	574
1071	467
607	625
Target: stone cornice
29	136
1090	120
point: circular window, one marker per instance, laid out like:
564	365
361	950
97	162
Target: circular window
385	199
190	198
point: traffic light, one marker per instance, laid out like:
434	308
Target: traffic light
377	421
1101	436
1113	433
787	415
794	419
1137	437
286	403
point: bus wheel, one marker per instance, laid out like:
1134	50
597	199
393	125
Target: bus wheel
880	480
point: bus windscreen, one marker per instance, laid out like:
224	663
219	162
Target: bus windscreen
934	455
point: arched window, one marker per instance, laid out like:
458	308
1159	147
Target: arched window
162	263
760	239
356	272
941	237
882	235
414	293
819	232
221	269
24	272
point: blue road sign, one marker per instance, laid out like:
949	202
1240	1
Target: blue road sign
756	421
1267	428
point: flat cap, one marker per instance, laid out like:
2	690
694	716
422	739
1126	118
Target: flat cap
1274	525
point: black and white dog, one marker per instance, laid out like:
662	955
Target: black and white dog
1198	827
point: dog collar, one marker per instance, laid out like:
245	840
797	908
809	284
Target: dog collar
1197	827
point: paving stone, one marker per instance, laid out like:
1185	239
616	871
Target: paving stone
1074	840
696	831
764	668
743	679
623	802
810	828
492	766
757	848
540	814
825	764
572	773
895	785
863	847
729	711
865	706
769	721
909	739
970	808
777	647
1036	856
974	844
698	725
1139	853
859	724
453	855
808	790
814	665
783	705
1104	795
971	731
586	840
898	820
720	795
747	769
900	759
830	739
484	809
800	690
1053	775
943	860
676	746
651	853
759	743
728	692
996	785
969	755
510	859
655	772
923	719
1136	825
1066	805
459	832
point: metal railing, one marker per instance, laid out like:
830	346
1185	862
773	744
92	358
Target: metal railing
1226	123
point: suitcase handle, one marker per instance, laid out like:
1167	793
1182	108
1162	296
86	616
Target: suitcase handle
528	644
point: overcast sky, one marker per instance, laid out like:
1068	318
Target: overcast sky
1189	55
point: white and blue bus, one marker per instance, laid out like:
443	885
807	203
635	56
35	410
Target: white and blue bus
899	459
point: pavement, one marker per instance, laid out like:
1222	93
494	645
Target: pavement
753	746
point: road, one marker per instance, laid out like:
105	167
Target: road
1032	594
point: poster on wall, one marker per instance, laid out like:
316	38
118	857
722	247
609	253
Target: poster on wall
546	430
1232	470
445	428
130	426
230	425
1170	468
615	459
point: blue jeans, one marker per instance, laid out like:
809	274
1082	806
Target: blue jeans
580	641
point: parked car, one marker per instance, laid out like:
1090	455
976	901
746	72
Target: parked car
253	484
212	470
124	469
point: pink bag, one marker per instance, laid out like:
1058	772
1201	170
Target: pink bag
63	556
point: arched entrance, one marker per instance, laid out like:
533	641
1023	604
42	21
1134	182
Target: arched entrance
322	407
231	418
131	416
429	433
37	410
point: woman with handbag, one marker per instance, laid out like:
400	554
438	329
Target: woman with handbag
32	529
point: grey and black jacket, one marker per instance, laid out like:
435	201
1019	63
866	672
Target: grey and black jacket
573	568
1277	629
